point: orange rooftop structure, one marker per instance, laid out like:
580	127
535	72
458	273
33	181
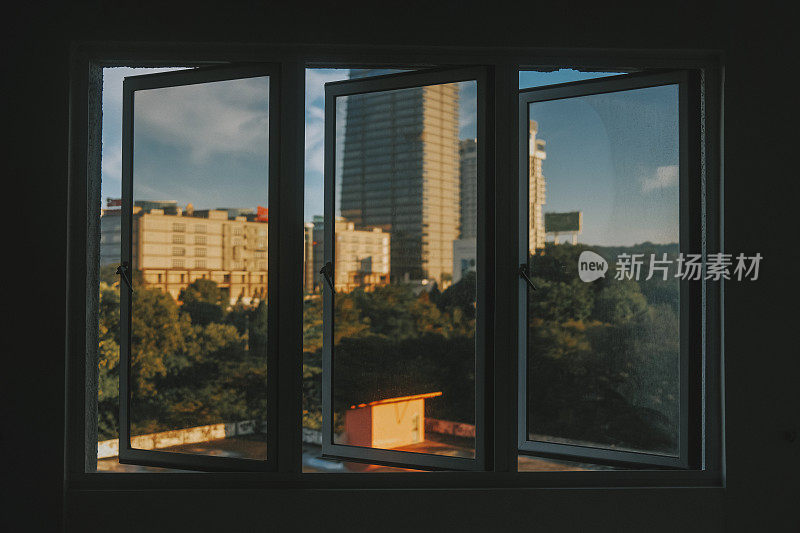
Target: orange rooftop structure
388	423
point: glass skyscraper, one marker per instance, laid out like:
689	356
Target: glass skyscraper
400	173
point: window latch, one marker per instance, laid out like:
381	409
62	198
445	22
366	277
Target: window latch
524	273
327	273
122	270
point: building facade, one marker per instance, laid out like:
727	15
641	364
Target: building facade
400	173
468	180
173	247
362	256
110	236
536	190
308	257
465	248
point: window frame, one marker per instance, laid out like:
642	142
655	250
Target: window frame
176	79
484	254
86	63
691	296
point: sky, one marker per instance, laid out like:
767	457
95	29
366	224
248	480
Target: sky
613	156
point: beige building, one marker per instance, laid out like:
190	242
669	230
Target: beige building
173	248
536	191
308	258
362	256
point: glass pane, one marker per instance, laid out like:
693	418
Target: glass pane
405	274
538	78
603	326
102	372
199	326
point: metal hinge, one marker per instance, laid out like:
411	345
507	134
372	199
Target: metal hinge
122	270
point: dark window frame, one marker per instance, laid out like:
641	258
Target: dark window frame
184	78
504	64
691	295
485	255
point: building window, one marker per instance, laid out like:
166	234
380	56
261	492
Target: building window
178	251
200	252
200	228
178	238
199	239
178	263
178	226
200	263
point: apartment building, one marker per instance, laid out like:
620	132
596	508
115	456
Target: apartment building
362	256
172	247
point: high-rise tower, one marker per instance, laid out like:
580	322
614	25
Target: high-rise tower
400	173
536	190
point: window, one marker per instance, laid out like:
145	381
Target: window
605	364
405	389
406	309
204	405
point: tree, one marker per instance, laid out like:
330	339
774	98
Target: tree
461	295
202	300
619	302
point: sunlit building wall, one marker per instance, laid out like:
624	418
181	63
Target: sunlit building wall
362	256
536	192
400	173
172	248
308	257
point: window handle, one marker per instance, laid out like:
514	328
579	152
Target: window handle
524	273
122	270
327	273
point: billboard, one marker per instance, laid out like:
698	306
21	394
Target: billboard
563	222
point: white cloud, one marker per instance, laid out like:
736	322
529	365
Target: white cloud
664	177
111	163
315	115
205	119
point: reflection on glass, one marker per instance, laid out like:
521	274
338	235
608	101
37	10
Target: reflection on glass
604	346
405	274
199	325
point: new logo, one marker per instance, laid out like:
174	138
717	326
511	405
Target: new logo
591	266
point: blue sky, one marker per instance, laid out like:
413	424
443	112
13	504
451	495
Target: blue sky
612	156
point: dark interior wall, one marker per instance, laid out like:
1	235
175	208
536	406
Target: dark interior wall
760	196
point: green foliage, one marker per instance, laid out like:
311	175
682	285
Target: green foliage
202	300
603	356
461	295
619	302
186	370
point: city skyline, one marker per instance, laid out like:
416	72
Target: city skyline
646	196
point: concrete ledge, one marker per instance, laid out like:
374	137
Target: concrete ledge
176	437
